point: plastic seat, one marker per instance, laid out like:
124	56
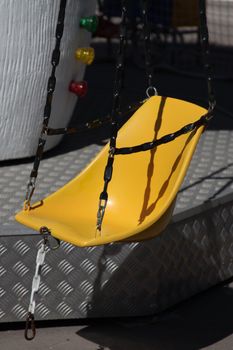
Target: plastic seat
144	185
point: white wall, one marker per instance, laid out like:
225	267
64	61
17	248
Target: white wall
27	30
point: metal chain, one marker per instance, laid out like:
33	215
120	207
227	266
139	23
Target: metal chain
30	321
204	36
47	109
40	258
151	90
103	198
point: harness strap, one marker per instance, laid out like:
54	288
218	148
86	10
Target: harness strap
151	90
47	109
120	65
96	123
204	36
204	120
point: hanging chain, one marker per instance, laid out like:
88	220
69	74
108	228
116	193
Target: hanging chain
30	321
103	199
30	328
204	36
151	90
47	109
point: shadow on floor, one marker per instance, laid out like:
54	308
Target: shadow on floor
195	324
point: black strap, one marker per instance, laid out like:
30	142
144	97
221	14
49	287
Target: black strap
147	44
47	109
103	198
204	120
96	123
204	36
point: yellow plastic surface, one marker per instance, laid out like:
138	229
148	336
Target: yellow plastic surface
144	185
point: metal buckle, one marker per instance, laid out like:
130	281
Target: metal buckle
30	190
100	214
48	238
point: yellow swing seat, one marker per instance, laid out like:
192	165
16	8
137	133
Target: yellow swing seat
143	188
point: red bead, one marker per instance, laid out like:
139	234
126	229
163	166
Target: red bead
78	88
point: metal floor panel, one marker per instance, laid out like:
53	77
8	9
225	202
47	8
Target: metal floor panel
194	253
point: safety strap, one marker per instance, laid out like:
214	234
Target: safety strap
151	90
204	120
115	117
49	98
204	36
103	198
96	123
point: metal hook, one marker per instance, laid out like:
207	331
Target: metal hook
30	326
47	234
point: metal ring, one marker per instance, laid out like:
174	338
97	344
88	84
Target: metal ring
111	151
151	89
54	247
48	237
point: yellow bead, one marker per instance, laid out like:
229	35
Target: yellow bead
85	55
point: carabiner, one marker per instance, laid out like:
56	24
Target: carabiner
46	235
30	326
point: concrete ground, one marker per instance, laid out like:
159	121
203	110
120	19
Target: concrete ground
203	322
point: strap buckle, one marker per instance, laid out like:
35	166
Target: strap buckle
30	190
100	214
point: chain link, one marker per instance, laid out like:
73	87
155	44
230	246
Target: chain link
44	248
47	109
